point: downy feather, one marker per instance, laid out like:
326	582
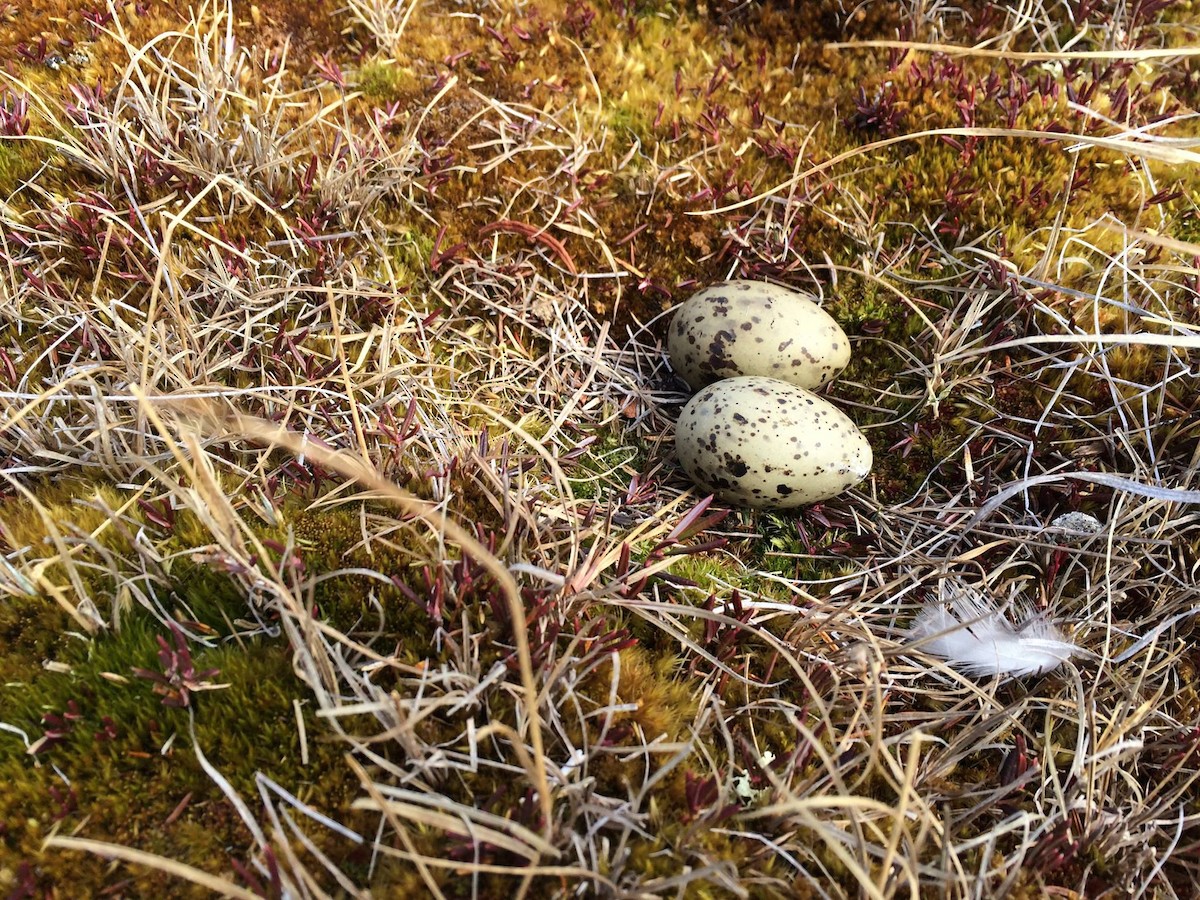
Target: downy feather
966	629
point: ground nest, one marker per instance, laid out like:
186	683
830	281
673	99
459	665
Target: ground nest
345	552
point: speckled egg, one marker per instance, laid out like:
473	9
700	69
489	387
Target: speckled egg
755	328
761	442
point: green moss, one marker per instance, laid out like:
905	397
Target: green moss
634	119
701	569
411	251
32	629
17	163
385	81
606	469
126	757
120	732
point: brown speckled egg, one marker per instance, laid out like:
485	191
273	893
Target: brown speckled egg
761	442
755	328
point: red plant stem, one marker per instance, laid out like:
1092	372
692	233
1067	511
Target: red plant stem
510	226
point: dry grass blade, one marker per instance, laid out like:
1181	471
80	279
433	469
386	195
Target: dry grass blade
468	820
162	864
267	433
1129	145
1129	53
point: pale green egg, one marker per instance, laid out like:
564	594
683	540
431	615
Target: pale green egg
755	328
764	443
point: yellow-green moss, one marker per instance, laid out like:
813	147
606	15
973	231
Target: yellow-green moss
384	81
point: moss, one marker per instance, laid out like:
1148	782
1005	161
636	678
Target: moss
384	81
706	572
118	735
605	470
655	702
17	163
115	731
411	253
635	119
32	630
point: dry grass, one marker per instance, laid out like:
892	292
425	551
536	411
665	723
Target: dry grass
383	376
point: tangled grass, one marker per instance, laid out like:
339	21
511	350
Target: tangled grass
344	552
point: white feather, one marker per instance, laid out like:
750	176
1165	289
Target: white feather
964	628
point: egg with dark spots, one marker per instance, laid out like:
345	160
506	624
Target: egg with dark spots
765	443
755	328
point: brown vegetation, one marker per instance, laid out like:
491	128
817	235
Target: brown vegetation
343	545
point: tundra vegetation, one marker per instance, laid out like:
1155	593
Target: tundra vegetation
343	547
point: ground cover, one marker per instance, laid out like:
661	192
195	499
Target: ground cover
344	550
